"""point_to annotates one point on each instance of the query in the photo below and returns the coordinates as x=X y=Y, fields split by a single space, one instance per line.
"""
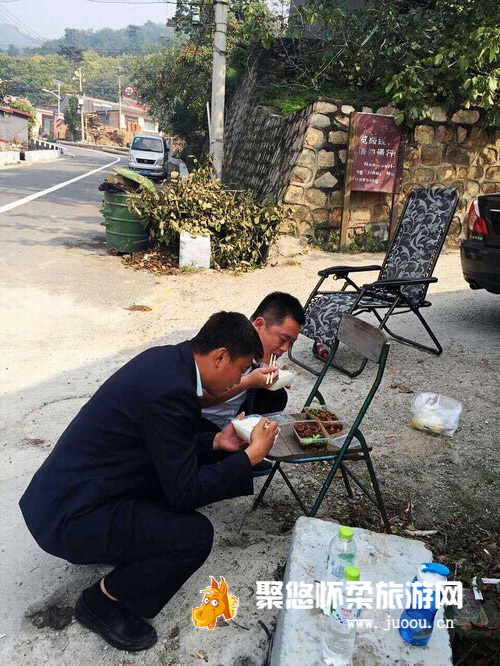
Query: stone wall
x=300 y=160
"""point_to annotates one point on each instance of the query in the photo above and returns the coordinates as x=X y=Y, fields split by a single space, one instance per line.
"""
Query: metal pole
x=218 y=87
x=119 y=101
x=83 y=105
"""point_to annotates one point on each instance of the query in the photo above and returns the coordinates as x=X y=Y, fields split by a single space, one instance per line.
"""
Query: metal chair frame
x=397 y=303
x=349 y=325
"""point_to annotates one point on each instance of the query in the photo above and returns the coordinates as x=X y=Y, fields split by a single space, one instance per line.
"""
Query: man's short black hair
x=276 y=307
x=231 y=330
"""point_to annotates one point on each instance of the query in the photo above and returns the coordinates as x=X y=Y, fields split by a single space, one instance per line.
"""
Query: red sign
x=128 y=91
x=376 y=141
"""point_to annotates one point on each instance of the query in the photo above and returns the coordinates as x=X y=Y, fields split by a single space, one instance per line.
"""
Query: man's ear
x=259 y=324
x=220 y=356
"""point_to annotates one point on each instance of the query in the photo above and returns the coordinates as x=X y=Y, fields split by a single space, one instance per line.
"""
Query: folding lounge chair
x=371 y=343
x=402 y=283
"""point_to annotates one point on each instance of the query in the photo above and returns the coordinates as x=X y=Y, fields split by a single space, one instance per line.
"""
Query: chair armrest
x=342 y=271
x=388 y=284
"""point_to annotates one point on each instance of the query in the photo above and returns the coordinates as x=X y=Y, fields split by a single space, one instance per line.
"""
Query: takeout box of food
x=311 y=435
x=321 y=413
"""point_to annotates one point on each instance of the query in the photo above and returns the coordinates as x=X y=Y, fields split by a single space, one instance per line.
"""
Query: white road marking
x=36 y=195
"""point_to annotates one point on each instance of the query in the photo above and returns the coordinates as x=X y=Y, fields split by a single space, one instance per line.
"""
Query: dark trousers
x=154 y=550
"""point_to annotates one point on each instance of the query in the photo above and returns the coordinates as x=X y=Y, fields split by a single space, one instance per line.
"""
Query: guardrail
x=95 y=146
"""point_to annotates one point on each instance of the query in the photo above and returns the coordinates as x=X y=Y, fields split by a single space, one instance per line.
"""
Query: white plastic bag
x=435 y=413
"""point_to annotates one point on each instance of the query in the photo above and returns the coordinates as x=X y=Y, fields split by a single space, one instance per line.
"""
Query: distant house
x=134 y=115
x=44 y=122
x=14 y=125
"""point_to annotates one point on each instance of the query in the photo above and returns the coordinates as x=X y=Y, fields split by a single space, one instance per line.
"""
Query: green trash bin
x=124 y=230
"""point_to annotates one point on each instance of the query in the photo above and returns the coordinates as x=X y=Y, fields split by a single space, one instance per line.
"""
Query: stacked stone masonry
x=300 y=161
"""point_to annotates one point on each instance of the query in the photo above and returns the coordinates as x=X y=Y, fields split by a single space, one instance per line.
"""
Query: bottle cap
x=351 y=573
x=346 y=533
x=435 y=567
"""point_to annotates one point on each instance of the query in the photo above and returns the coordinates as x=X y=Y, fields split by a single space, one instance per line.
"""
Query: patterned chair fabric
x=419 y=239
x=414 y=250
x=324 y=313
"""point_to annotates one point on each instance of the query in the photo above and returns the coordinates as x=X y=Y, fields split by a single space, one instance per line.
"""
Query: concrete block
x=9 y=157
x=381 y=558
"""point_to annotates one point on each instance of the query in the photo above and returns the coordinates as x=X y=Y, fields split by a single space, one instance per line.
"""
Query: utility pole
x=218 y=87
x=120 y=71
x=119 y=101
x=82 y=103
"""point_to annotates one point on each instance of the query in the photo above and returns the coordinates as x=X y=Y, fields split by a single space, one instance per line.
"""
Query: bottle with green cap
x=339 y=638
x=341 y=554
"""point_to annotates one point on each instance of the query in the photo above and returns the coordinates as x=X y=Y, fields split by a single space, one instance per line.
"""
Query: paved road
x=20 y=181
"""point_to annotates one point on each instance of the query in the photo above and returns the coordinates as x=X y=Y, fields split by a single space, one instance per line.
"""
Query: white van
x=149 y=155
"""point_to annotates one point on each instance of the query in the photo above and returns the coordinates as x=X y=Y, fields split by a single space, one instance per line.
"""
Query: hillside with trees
x=101 y=54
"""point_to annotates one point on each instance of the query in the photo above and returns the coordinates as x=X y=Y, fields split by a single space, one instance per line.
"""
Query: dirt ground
x=61 y=343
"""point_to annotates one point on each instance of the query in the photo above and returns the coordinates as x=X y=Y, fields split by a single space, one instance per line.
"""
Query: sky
x=48 y=18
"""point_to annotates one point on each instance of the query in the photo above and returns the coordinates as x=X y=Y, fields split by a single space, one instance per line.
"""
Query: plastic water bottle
x=416 y=622
x=340 y=630
x=341 y=554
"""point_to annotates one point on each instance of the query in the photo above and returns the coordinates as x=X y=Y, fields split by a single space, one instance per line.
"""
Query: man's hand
x=262 y=441
x=228 y=440
x=258 y=377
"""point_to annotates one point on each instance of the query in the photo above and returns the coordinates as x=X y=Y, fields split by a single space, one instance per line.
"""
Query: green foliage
x=176 y=82
x=367 y=242
x=72 y=116
x=411 y=56
x=241 y=230
x=27 y=75
x=132 y=40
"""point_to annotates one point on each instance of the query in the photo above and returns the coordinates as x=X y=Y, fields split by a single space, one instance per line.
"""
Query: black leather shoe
x=121 y=628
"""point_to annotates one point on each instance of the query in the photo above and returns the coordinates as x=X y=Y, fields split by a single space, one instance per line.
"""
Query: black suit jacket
x=136 y=438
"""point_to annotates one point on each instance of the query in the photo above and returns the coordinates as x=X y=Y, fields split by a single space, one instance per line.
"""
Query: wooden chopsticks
x=272 y=361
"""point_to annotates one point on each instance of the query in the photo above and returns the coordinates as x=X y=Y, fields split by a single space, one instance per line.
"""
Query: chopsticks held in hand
x=269 y=378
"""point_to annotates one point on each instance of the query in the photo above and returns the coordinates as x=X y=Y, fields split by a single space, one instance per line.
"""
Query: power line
x=15 y=23
x=12 y=19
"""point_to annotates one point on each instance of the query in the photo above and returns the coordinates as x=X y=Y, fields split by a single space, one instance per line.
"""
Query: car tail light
x=476 y=224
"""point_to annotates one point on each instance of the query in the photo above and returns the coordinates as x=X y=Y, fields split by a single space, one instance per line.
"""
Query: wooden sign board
x=372 y=159
x=375 y=152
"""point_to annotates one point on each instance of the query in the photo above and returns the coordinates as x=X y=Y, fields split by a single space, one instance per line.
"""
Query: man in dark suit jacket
x=122 y=483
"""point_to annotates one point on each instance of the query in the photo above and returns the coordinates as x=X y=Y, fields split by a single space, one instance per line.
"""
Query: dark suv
x=480 y=251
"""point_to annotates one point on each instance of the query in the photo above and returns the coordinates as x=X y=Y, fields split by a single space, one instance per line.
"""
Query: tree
x=72 y=116
x=413 y=55
x=72 y=53
x=176 y=82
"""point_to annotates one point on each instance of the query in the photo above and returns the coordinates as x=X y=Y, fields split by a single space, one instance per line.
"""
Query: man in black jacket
x=122 y=483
